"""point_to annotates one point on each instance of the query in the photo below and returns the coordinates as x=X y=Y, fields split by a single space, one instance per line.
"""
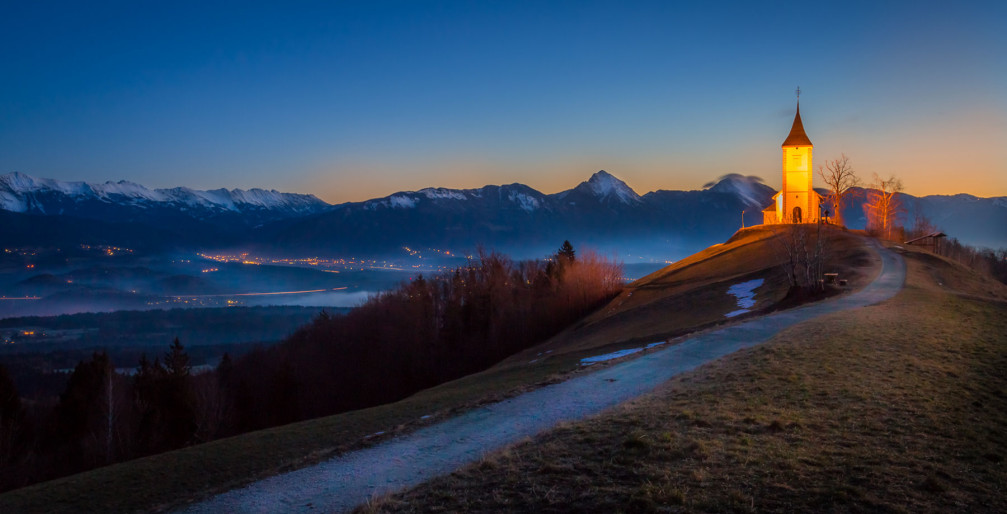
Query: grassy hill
x=684 y=297
x=692 y=293
x=897 y=407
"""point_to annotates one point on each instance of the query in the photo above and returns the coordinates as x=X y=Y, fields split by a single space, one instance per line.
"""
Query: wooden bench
x=831 y=278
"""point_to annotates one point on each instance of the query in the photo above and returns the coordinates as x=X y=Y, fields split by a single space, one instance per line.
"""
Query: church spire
x=797 y=136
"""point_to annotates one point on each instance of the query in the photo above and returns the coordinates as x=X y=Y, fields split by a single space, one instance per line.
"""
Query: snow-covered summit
x=19 y=183
x=606 y=187
x=750 y=188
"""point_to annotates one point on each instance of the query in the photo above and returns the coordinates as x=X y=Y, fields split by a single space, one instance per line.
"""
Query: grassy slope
x=899 y=407
x=692 y=293
x=686 y=296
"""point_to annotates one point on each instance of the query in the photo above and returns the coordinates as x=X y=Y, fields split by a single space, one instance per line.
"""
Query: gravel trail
x=351 y=479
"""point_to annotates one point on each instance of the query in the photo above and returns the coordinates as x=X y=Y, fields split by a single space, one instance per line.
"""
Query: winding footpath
x=352 y=478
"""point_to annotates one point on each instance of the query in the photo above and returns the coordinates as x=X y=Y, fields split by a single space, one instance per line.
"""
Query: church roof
x=797 y=136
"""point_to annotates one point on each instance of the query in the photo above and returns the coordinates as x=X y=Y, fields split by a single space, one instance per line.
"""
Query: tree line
x=423 y=333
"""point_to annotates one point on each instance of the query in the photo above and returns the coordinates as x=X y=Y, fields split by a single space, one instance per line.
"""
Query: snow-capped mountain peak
x=604 y=185
x=19 y=183
x=750 y=188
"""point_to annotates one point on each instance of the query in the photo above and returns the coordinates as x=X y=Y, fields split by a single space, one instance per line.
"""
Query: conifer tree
x=176 y=361
x=567 y=252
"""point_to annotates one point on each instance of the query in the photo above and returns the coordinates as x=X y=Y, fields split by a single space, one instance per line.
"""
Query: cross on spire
x=798 y=93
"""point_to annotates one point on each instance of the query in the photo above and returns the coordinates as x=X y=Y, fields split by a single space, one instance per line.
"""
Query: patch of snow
x=19 y=184
x=214 y=197
x=609 y=356
x=526 y=202
x=745 y=292
x=425 y=416
x=652 y=345
x=10 y=202
x=439 y=193
x=260 y=197
x=401 y=201
x=129 y=190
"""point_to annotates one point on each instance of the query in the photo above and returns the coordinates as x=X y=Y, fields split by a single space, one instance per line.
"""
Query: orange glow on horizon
x=935 y=153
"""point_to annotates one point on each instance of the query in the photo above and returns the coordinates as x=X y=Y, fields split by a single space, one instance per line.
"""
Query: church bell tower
x=797 y=201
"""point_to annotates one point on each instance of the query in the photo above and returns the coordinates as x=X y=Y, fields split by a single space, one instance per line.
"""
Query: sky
x=356 y=100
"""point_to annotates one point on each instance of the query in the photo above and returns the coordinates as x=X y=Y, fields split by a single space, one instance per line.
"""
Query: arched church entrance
x=797 y=214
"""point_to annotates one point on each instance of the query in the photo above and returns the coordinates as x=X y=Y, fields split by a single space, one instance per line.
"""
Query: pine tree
x=176 y=361
x=177 y=399
x=165 y=401
x=81 y=414
x=566 y=252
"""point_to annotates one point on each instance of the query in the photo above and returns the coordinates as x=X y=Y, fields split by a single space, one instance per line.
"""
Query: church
x=797 y=201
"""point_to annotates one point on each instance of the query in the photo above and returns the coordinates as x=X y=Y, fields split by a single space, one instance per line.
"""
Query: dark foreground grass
x=900 y=407
x=169 y=480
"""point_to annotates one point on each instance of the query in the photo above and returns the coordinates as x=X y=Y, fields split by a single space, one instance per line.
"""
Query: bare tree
x=922 y=226
x=838 y=174
x=109 y=438
x=883 y=207
x=802 y=253
x=211 y=406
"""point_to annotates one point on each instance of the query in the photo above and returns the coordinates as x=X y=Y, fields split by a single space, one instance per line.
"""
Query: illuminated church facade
x=797 y=201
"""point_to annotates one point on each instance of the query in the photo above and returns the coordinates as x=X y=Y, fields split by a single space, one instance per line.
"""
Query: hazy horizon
x=866 y=184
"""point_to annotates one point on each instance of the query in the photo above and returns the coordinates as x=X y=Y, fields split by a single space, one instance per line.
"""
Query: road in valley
x=351 y=479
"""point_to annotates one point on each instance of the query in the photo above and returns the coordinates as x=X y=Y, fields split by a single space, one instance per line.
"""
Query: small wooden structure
x=931 y=241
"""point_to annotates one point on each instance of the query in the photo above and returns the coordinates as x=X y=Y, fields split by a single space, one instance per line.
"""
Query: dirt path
x=351 y=479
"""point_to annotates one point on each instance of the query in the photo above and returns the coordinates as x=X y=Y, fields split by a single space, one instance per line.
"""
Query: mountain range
x=602 y=213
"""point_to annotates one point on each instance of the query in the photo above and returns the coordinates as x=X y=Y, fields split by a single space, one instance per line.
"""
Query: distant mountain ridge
x=24 y=193
x=602 y=212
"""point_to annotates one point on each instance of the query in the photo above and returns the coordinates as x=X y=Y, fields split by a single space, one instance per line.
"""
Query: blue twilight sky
x=353 y=100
